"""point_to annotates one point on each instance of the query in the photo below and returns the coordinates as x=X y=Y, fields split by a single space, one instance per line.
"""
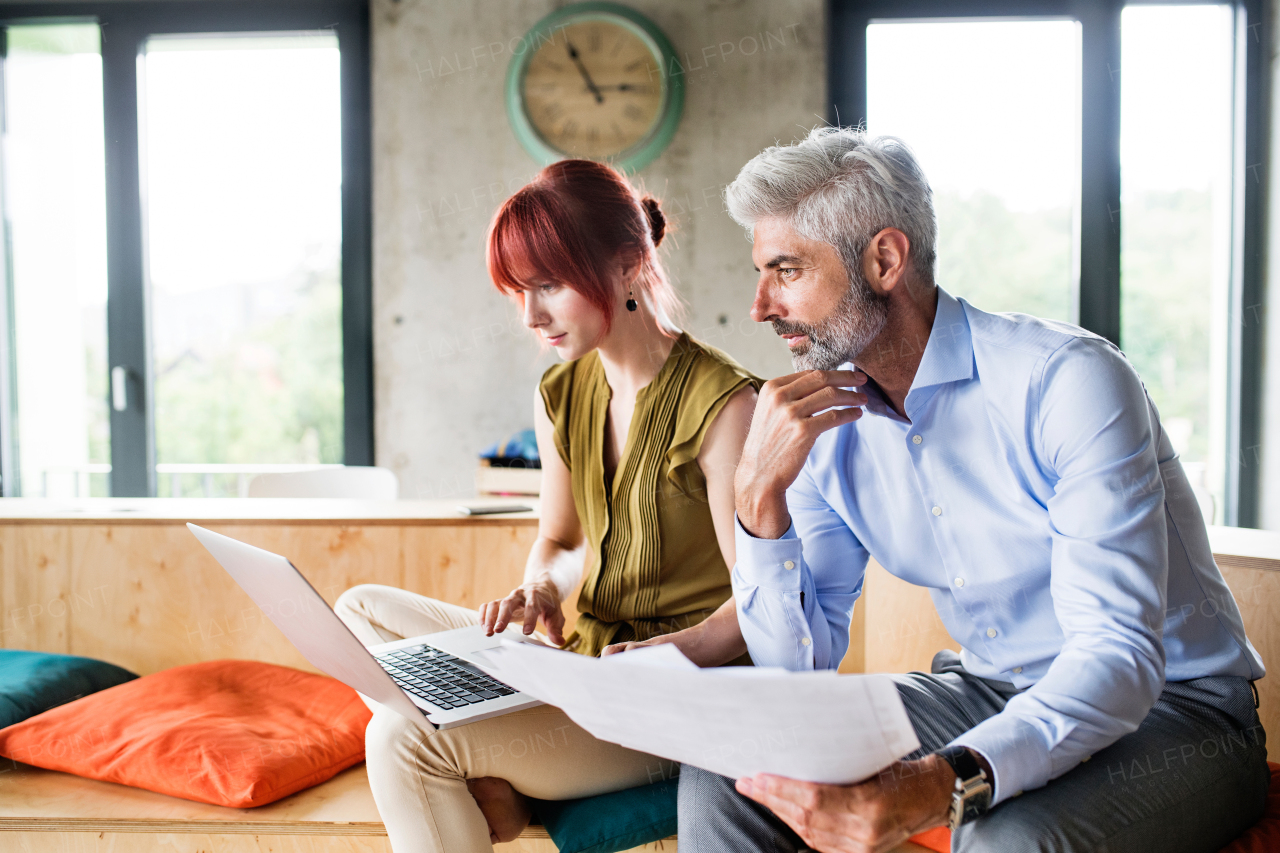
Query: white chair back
x=349 y=481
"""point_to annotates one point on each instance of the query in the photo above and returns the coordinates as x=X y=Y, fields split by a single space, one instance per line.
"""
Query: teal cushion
x=33 y=682
x=611 y=822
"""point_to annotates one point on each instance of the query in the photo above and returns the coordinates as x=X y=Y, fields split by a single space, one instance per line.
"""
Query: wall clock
x=595 y=80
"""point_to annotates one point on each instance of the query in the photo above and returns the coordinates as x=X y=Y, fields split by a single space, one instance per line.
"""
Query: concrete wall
x=455 y=370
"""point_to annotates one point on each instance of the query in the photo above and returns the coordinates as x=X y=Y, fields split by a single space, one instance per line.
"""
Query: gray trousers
x=1189 y=780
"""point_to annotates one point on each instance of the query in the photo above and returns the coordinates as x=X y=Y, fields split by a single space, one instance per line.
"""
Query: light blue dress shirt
x=1032 y=489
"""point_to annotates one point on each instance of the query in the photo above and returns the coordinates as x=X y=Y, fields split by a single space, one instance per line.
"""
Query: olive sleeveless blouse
x=653 y=564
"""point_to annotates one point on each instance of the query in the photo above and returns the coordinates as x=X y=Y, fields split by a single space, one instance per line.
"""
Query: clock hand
x=582 y=69
x=624 y=87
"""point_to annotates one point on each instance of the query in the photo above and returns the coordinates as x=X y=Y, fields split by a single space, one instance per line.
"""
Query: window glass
x=242 y=178
x=992 y=111
x=1176 y=122
x=54 y=195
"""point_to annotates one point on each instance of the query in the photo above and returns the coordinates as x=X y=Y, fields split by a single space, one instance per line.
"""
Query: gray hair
x=842 y=187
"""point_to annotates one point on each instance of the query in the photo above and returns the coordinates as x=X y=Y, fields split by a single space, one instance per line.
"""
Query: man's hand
x=619 y=648
x=785 y=426
x=905 y=798
x=713 y=642
x=527 y=603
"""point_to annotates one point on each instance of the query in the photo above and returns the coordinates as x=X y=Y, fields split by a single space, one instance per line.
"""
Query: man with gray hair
x=1015 y=467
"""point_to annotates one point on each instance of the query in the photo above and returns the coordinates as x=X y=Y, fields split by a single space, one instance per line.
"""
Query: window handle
x=119 y=388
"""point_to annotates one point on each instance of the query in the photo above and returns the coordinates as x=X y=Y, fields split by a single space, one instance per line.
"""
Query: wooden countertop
x=260 y=511
x=1244 y=548
x=1233 y=546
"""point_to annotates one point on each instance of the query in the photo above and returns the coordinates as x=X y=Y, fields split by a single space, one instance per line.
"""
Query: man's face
x=805 y=292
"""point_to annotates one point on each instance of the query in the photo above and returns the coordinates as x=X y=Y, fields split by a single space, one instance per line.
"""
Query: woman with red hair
x=639 y=430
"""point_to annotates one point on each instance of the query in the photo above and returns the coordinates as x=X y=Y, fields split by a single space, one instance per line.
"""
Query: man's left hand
x=903 y=799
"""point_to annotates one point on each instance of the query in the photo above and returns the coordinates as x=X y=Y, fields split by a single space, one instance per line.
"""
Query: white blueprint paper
x=735 y=721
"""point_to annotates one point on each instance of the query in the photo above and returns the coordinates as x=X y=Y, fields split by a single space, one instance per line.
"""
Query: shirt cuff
x=768 y=563
x=1016 y=751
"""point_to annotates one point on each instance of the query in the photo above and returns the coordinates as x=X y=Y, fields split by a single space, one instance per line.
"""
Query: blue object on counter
x=522 y=445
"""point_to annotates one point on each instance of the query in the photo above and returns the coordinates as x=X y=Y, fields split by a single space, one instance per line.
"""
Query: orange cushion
x=230 y=733
x=1262 y=837
x=937 y=839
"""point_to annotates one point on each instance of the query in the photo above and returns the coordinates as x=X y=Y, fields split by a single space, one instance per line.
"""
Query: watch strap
x=972 y=796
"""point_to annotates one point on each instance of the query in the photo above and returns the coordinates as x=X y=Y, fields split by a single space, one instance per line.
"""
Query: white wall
x=454 y=369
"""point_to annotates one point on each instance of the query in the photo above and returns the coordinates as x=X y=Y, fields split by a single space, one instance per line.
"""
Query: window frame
x=1097 y=290
x=125 y=27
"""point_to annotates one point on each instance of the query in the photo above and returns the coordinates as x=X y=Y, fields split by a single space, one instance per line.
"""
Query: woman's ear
x=629 y=270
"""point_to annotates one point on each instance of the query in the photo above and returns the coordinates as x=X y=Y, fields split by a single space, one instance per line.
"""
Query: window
x=57 y=260
x=197 y=186
x=243 y=179
x=1136 y=219
x=1001 y=150
x=1175 y=243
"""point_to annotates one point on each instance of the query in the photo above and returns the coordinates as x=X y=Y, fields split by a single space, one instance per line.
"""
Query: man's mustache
x=782 y=327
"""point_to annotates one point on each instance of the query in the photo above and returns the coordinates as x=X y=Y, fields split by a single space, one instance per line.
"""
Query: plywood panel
x=36 y=592
x=36 y=799
x=166 y=602
x=501 y=554
x=855 y=659
x=469 y=566
x=113 y=842
x=1257 y=593
x=440 y=563
x=188 y=842
x=903 y=630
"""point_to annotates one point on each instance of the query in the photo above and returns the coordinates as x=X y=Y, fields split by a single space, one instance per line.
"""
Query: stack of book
x=508 y=477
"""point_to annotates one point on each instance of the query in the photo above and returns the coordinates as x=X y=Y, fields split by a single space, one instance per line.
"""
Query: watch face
x=593 y=88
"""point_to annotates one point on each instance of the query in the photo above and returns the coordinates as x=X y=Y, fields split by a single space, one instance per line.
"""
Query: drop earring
x=631 y=301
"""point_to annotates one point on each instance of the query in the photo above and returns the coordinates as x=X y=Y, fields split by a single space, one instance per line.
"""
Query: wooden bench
x=46 y=812
x=123 y=580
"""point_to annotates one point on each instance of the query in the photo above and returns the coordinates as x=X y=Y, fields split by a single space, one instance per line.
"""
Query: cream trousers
x=418 y=774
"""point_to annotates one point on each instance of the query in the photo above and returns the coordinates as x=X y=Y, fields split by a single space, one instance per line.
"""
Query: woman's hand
x=527 y=603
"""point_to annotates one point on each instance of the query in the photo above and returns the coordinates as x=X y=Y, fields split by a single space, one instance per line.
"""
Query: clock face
x=593 y=88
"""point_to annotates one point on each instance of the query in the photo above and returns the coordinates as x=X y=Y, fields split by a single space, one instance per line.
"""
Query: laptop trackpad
x=464 y=641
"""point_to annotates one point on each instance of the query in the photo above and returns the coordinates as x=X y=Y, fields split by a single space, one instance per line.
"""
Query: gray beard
x=855 y=322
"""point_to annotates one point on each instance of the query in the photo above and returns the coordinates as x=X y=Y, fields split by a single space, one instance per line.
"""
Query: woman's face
x=563 y=318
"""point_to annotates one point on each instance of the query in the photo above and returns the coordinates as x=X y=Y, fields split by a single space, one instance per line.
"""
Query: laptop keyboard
x=442 y=679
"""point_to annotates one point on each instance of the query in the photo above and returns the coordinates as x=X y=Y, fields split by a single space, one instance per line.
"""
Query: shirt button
x=788 y=565
x=937 y=510
x=805 y=641
x=959 y=581
x=1018 y=669
x=915 y=439
x=991 y=632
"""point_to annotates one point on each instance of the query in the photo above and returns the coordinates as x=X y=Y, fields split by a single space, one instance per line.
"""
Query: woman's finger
x=534 y=607
x=506 y=608
x=553 y=619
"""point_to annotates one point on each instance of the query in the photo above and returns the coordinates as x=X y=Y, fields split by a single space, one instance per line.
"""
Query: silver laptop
x=433 y=675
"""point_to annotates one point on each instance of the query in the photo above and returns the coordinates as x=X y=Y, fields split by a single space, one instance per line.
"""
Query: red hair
x=570 y=225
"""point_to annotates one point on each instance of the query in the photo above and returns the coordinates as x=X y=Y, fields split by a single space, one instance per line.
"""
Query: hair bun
x=657 y=220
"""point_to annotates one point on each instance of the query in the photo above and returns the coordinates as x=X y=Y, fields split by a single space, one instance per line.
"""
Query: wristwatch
x=972 y=796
